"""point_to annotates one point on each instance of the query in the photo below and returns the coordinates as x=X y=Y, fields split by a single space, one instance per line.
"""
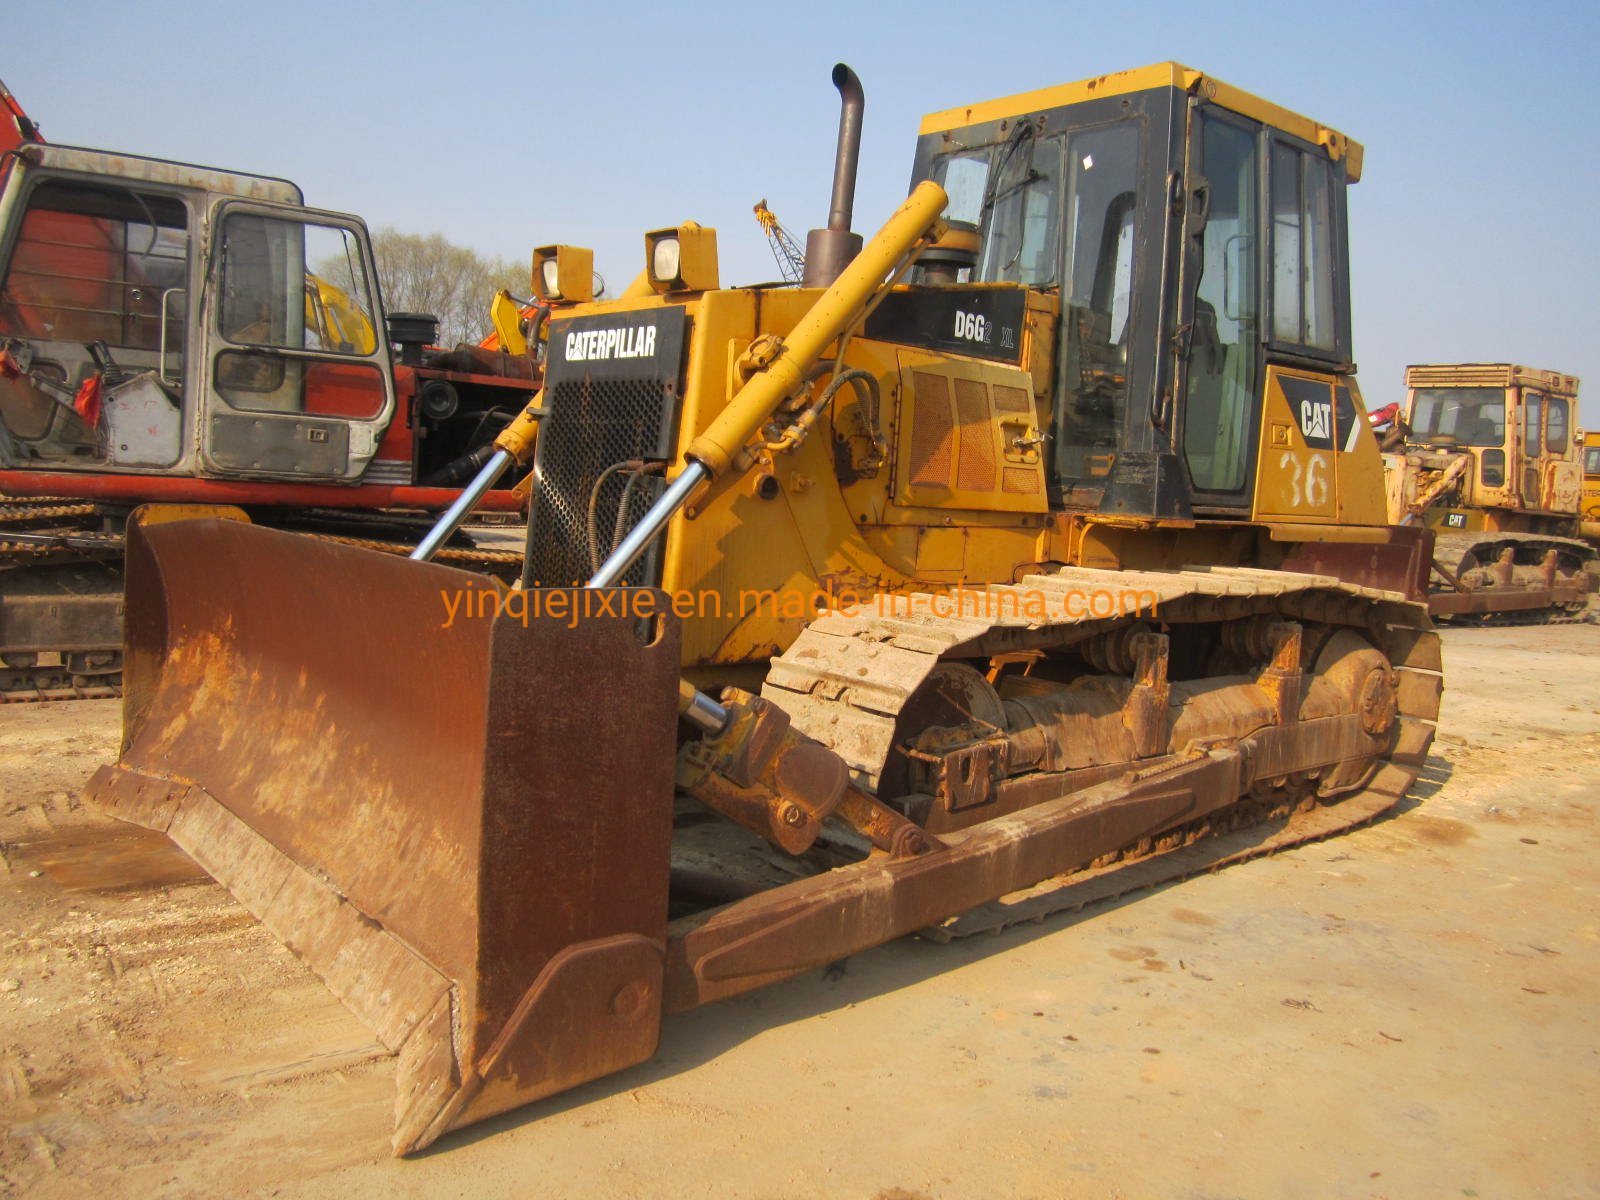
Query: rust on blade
x=424 y=796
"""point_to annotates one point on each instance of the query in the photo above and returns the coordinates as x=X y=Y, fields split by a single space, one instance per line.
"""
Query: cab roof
x=1143 y=79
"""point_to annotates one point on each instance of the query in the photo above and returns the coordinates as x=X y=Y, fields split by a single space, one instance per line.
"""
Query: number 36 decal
x=1308 y=479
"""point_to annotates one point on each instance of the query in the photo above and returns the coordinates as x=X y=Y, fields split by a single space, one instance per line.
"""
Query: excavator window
x=91 y=264
x=1220 y=400
x=295 y=286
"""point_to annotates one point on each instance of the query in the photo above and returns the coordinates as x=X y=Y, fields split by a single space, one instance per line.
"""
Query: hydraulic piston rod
x=513 y=445
x=642 y=534
x=458 y=512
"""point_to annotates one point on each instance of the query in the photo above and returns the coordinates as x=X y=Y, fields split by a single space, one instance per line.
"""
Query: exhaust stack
x=829 y=251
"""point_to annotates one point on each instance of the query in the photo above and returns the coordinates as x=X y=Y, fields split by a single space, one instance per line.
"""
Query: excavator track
x=56 y=560
x=20 y=513
x=1499 y=603
x=847 y=679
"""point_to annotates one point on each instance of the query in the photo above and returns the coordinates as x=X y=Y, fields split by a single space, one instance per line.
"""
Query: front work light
x=682 y=259
x=563 y=274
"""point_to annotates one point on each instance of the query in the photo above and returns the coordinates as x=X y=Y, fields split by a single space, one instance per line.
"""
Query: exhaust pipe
x=829 y=251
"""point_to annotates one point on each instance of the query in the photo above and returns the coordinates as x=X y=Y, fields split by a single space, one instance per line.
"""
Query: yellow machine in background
x=1042 y=530
x=1590 y=511
x=1493 y=464
x=336 y=320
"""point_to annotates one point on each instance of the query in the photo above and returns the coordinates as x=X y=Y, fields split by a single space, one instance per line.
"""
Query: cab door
x=296 y=376
x=1530 y=447
x=1222 y=365
x=1554 y=477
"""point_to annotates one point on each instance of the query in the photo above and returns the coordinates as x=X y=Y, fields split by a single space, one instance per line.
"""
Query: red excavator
x=177 y=341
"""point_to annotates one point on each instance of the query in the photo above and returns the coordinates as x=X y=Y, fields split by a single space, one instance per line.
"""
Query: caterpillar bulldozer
x=1492 y=463
x=1029 y=552
x=177 y=340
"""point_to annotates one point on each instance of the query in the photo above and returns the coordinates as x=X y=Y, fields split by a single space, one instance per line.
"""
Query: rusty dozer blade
x=465 y=830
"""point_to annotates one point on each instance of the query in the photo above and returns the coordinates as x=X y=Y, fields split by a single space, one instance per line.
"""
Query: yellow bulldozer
x=1492 y=463
x=1589 y=525
x=1036 y=542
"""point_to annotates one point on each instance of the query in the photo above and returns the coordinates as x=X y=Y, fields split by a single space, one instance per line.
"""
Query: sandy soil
x=1409 y=1010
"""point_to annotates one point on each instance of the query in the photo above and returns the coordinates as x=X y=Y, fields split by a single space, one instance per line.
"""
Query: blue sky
x=506 y=126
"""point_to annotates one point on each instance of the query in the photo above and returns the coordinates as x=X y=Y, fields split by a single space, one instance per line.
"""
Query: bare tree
x=429 y=274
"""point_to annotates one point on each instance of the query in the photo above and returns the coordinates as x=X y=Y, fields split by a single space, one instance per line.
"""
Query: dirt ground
x=1407 y=1011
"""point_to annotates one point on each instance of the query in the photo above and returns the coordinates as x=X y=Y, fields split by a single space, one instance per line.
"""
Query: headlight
x=563 y=274
x=683 y=259
x=664 y=259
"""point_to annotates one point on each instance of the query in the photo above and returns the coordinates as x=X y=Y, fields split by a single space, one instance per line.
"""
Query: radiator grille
x=931 y=430
x=1012 y=399
x=1023 y=481
x=975 y=463
x=601 y=414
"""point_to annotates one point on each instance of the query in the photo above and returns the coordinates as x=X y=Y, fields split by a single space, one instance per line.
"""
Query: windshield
x=1011 y=193
x=1463 y=416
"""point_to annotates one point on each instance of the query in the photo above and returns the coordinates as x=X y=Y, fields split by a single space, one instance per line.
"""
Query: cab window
x=1020 y=224
x=97 y=274
x=1220 y=387
x=93 y=264
x=1099 y=202
x=294 y=285
x=1303 y=248
x=1555 y=425
x=1060 y=213
x=287 y=290
x=1532 y=411
x=1459 y=416
x=1012 y=193
x=963 y=177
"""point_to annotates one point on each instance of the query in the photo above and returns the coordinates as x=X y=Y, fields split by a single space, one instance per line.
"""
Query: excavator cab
x=176 y=340
x=1039 y=533
x=173 y=320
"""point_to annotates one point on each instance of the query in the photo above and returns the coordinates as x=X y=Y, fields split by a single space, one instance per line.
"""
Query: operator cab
x=1516 y=425
x=1193 y=239
x=110 y=363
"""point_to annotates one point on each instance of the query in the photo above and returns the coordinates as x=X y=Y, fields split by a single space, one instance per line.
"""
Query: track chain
x=13 y=511
x=1542 y=616
x=846 y=678
x=1449 y=549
